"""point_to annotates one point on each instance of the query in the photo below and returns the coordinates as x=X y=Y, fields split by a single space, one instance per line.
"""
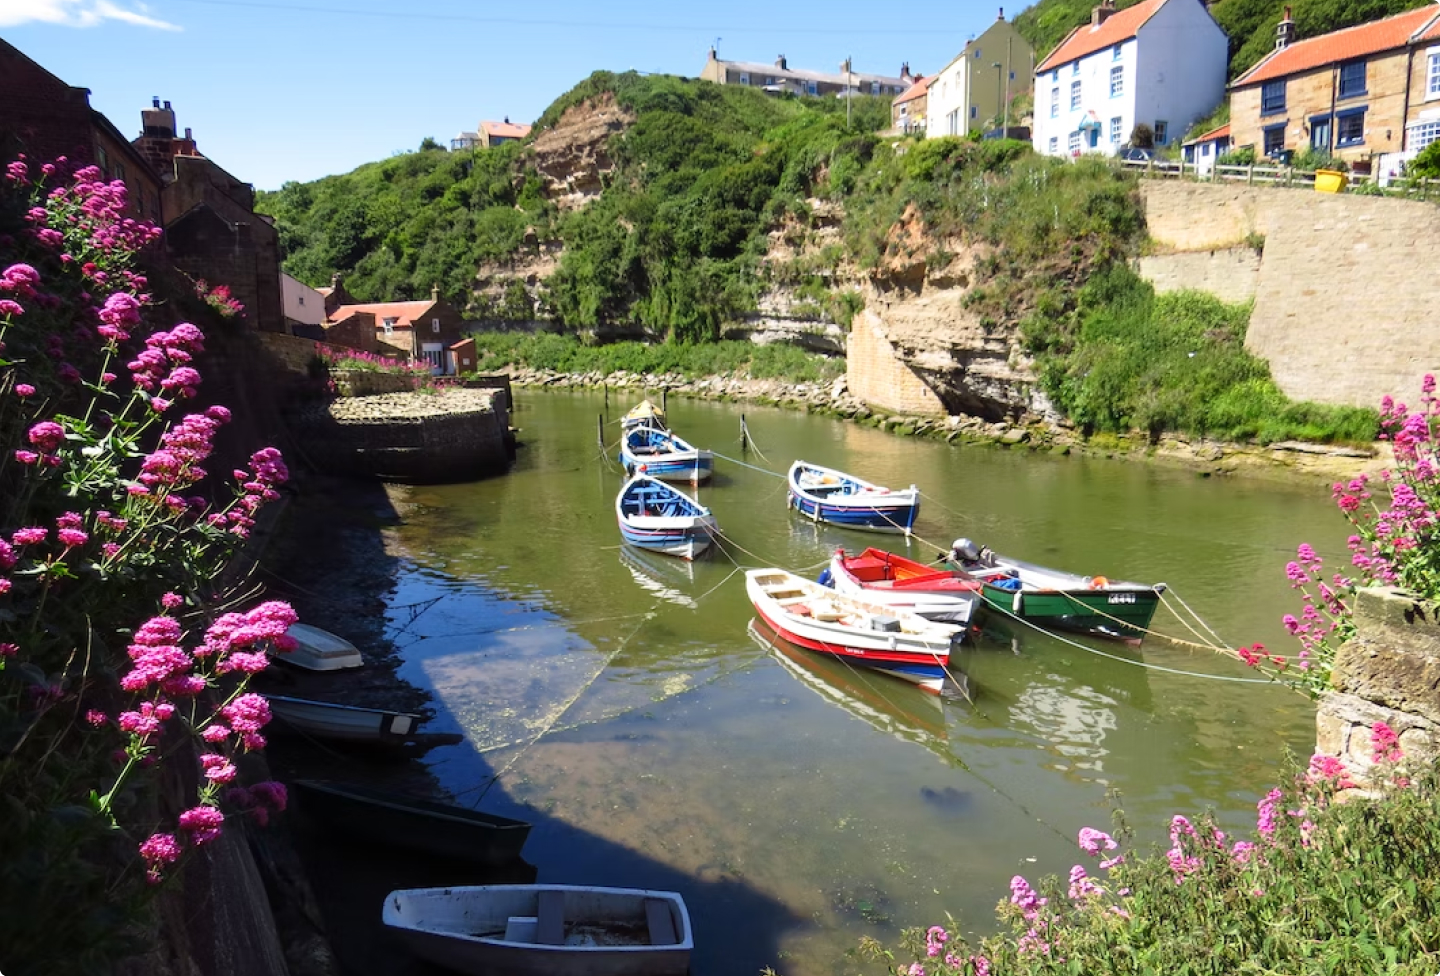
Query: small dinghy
x=319 y=650
x=655 y=516
x=412 y=822
x=945 y=595
x=1054 y=598
x=888 y=639
x=351 y=724
x=544 y=930
x=644 y=414
x=664 y=455
x=827 y=495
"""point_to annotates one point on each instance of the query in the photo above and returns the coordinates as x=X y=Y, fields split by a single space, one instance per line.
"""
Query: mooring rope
x=743 y=464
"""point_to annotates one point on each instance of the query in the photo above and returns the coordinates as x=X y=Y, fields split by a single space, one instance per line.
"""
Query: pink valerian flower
x=24 y=390
x=1328 y=771
x=7 y=555
x=10 y=307
x=47 y=436
x=20 y=279
x=1385 y=744
x=119 y=314
x=1024 y=897
x=216 y=732
x=935 y=939
x=157 y=654
x=981 y=964
x=27 y=457
x=915 y=969
x=171 y=600
x=1181 y=864
x=1266 y=821
x=8 y=649
x=1111 y=862
x=247 y=715
x=1094 y=841
x=1243 y=851
x=96 y=717
x=147 y=721
x=217 y=768
x=71 y=538
x=159 y=850
x=202 y=823
x=175 y=464
x=1082 y=886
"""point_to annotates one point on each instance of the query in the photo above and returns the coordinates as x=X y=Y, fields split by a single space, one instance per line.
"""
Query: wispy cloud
x=78 y=13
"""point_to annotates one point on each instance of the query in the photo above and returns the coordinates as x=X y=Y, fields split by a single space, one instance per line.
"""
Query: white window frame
x=1074 y=142
x=874 y=87
x=1117 y=130
x=388 y=325
x=744 y=77
x=1055 y=103
x=1420 y=130
x=1075 y=95
x=1054 y=145
x=1432 y=74
x=811 y=88
x=1117 y=81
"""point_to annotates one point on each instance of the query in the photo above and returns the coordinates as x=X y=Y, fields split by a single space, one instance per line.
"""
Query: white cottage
x=1160 y=62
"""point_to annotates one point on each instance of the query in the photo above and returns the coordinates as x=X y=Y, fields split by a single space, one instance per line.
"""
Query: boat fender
x=824 y=578
x=1098 y=582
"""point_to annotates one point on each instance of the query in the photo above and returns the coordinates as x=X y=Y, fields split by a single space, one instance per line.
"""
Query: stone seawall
x=449 y=435
x=877 y=375
x=1230 y=274
x=1347 y=287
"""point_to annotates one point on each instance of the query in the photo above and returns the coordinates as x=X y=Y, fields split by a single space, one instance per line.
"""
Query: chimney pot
x=1285 y=31
x=780 y=62
x=1002 y=14
x=167 y=104
x=154 y=101
x=188 y=135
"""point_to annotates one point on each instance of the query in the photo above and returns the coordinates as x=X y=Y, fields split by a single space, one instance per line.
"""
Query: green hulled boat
x=1053 y=598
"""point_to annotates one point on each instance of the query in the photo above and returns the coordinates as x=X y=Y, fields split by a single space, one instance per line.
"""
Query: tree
x=1426 y=165
x=428 y=143
x=1142 y=137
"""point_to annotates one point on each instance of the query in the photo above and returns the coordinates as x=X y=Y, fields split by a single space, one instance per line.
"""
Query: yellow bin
x=1329 y=180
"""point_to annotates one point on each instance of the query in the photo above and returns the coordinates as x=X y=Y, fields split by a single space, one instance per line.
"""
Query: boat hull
x=439 y=925
x=688 y=467
x=825 y=495
x=1123 y=614
x=343 y=723
x=920 y=656
x=953 y=601
x=414 y=823
x=319 y=650
x=653 y=515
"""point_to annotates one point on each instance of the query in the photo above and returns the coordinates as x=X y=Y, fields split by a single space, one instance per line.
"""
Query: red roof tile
x=1221 y=133
x=1341 y=45
x=1087 y=39
x=914 y=91
x=505 y=130
x=404 y=313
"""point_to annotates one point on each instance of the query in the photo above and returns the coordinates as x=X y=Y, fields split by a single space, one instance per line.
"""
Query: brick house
x=907 y=111
x=44 y=118
x=422 y=330
x=979 y=82
x=1356 y=93
x=779 y=78
x=1161 y=63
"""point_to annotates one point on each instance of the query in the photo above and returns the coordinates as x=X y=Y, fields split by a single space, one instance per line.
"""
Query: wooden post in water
x=665 y=398
x=607 y=399
x=744 y=435
x=600 y=429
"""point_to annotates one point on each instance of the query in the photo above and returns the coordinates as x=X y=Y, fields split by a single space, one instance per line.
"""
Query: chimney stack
x=1102 y=13
x=780 y=63
x=1285 y=31
x=434 y=293
x=712 y=54
x=1002 y=14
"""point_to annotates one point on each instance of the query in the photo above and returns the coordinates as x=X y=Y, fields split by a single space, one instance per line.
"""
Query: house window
x=1320 y=132
x=1074 y=95
x=1350 y=127
x=1012 y=76
x=1075 y=69
x=1115 y=53
x=1054 y=103
x=1421 y=135
x=102 y=158
x=977 y=54
x=1116 y=131
x=300 y=299
x=1205 y=150
x=119 y=171
x=744 y=78
x=1161 y=127
x=1272 y=97
x=1352 y=79
x=389 y=326
x=874 y=87
x=1117 y=81
x=1074 y=143
x=1274 y=139
x=434 y=325
x=1054 y=145
x=1432 y=86
x=811 y=88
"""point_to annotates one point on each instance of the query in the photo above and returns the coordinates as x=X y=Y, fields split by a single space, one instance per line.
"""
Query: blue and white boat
x=644 y=414
x=659 y=517
x=826 y=495
x=662 y=454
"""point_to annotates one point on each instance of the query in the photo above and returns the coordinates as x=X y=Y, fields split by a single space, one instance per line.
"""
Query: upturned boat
x=663 y=454
x=861 y=632
x=544 y=930
x=413 y=823
x=826 y=495
x=319 y=650
x=945 y=595
x=1047 y=597
x=656 y=516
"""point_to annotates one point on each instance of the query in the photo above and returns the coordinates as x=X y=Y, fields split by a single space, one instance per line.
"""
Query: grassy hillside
x=680 y=241
x=1250 y=24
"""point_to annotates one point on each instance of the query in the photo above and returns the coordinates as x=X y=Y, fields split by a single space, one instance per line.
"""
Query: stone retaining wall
x=1230 y=274
x=448 y=435
x=362 y=382
x=1388 y=672
x=879 y=377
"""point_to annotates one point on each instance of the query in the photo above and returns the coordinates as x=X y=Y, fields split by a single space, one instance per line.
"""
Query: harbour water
x=657 y=739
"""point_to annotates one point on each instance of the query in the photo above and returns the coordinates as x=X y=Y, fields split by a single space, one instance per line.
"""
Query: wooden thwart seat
x=661 y=922
x=550 y=918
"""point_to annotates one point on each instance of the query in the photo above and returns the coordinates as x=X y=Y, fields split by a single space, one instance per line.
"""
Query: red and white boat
x=944 y=595
x=859 y=631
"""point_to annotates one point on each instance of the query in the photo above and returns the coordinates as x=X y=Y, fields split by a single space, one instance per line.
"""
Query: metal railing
x=1287 y=176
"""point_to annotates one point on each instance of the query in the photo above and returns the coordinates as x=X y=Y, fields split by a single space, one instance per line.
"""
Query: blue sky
x=278 y=90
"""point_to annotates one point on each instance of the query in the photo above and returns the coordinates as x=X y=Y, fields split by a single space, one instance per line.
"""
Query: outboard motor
x=966 y=550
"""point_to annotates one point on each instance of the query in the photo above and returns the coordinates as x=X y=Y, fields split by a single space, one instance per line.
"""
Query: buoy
x=1098 y=582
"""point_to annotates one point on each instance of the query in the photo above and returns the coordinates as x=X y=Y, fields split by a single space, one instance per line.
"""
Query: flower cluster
x=220 y=299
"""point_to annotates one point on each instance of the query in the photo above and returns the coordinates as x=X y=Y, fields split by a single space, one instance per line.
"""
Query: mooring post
x=600 y=429
x=744 y=438
x=665 y=398
x=607 y=399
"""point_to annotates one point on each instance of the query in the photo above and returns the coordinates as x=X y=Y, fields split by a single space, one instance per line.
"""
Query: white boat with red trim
x=889 y=639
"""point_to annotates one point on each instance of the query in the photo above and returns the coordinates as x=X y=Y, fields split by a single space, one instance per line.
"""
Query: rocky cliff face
x=573 y=156
x=917 y=301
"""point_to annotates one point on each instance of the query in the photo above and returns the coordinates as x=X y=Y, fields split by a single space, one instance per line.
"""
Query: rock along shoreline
x=1284 y=461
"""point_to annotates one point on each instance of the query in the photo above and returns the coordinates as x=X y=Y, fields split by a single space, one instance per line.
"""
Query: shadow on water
x=336 y=545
